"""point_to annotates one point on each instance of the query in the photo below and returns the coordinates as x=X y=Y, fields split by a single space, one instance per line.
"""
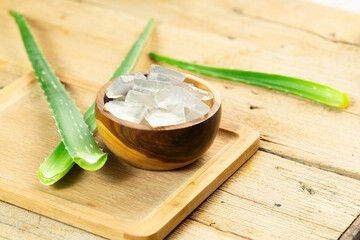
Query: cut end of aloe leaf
x=345 y=103
x=47 y=177
x=49 y=180
x=91 y=165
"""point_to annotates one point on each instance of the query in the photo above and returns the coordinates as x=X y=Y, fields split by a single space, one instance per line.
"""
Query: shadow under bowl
x=159 y=148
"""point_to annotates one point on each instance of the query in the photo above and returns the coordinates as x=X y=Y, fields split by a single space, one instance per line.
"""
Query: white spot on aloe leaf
x=87 y=149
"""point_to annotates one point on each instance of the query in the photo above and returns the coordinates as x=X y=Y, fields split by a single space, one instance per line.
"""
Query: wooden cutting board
x=118 y=201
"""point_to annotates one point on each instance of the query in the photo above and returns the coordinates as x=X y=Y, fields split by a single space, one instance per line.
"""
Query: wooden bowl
x=159 y=148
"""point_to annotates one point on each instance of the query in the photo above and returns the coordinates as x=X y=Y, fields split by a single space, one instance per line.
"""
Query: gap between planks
x=353 y=231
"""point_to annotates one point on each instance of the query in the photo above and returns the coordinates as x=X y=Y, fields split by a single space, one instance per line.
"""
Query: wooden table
x=303 y=183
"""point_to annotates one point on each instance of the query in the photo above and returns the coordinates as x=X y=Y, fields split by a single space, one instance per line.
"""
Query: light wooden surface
x=304 y=181
x=119 y=199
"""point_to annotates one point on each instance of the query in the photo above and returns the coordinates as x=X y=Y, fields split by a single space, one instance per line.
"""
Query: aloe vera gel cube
x=131 y=112
x=165 y=74
x=122 y=85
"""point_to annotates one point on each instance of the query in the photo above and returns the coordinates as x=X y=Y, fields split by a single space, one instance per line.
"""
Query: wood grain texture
x=160 y=148
x=278 y=198
x=84 y=42
x=16 y=90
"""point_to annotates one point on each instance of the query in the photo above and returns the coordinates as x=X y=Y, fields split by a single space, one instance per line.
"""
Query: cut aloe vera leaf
x=59 y=162
x=51 y=170
x=73 y=130
x=303 y=88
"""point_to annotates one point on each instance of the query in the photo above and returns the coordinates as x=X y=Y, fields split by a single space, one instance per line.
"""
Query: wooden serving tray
x=118 y=201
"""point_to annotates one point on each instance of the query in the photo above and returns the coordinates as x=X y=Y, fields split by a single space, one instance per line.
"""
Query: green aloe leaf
x=306 y=89
x=73 y=130
x=60 y=162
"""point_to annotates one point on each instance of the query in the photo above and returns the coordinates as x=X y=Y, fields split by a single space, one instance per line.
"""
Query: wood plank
x=314 y=135
x=16 y=90
x=9 y=72
x=341 y=29
x=353 y=231
x=31 y=225
x=23 y=224
x=271 y=197
x=190 y=229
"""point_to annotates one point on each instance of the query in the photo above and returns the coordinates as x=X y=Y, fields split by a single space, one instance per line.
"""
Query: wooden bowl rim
x=215 y=108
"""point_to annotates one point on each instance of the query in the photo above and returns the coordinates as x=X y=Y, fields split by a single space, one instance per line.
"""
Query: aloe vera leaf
x=131 y=58
x=59 y=162
x=73 y=130
x=306 y=89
